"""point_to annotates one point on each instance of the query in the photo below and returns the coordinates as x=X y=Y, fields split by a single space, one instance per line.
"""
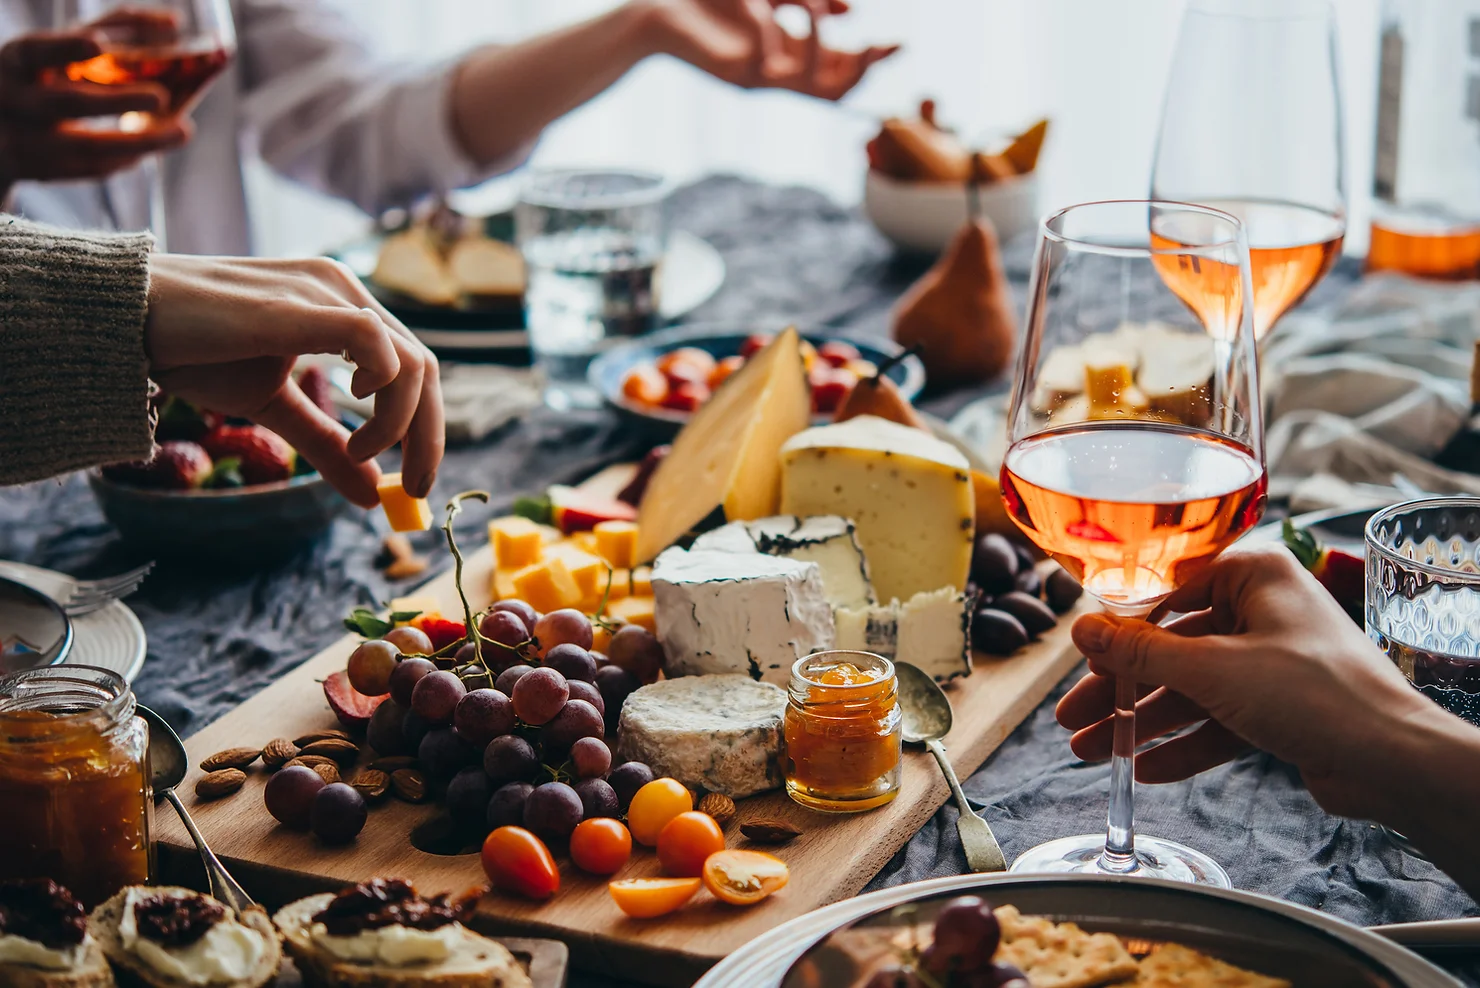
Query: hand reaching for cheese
x=224 y=333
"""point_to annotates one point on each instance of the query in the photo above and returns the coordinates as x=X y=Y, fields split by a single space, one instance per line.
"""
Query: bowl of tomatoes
x=660 y=380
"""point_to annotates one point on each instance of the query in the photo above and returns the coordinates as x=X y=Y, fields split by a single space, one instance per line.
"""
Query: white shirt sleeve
x=326 y=112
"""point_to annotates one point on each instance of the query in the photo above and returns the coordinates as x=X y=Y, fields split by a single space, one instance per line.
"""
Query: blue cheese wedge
x=719 y=733
x=931 y=630
x=738 y=613
x=827 y=540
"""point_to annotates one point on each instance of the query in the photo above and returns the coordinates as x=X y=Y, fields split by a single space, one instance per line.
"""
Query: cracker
x=1175 y=966
x=1061 y=955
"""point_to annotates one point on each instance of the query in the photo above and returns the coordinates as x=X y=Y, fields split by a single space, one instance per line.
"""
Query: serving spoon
x=927 y=719
x=167 y=767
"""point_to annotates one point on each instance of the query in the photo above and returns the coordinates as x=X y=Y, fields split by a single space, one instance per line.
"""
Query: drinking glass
x=182 y=60
x=1135 y=444
x=592 y=243
x=1252 y=126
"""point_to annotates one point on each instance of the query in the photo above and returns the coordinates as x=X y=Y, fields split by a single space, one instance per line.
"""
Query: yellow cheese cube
x=642 y=581
x=621 y=587
x=517 y=542
x=404 y=512
x=547 y=586
x=503 y=584
x=601 y=638
x=584 y=541
x=616 y=542
x=426 y=605
x=635 y=610
x=586 y=569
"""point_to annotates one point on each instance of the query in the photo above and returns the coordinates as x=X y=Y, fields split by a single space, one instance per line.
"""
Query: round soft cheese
x=718 y=733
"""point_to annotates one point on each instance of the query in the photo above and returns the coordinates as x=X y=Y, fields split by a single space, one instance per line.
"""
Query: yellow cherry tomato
x=653 y=806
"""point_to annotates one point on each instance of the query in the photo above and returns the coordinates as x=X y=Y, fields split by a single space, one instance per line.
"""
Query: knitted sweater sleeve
x=74 y=378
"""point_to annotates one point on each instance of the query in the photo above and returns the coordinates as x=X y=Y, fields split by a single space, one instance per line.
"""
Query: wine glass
x=1252 y=126
x=1135 y=444
x=180 y=45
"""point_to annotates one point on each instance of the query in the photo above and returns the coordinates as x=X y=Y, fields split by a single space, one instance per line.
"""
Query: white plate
x=110 y=637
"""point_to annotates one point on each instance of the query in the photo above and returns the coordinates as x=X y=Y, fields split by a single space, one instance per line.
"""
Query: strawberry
x=1343 y=574
x=314 y=381
x=440 y=630
x=179 y=419
x=176 y=466
x=264 y=457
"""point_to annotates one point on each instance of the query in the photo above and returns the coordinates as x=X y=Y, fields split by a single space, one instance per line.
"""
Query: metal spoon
x=927 y=719
x=167 y=767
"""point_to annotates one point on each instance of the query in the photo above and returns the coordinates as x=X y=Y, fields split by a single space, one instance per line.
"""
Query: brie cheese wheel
x=827 y=540
x=742 y=613
x=931 y=630
x=719 y=733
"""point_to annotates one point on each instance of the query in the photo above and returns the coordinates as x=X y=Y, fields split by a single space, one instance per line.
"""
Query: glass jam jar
x=74 y=781
x=842 y=732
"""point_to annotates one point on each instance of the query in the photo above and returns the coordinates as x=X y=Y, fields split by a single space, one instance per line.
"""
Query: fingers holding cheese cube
x=404 y=512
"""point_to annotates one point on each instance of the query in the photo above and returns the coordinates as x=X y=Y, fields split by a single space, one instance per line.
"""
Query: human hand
x=37 y=99
x=223 y=332
x=740 y=42
x=1268 y=659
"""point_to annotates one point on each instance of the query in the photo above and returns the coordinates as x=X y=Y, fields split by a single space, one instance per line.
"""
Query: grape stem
x=454 y=508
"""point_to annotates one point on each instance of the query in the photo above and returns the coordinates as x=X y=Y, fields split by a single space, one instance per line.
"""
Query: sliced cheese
x=908 y=494
x=726 y=457
x=410 y=264
x=483 y=266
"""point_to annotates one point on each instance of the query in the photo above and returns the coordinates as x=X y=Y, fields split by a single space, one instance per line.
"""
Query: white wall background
x=1096 y=67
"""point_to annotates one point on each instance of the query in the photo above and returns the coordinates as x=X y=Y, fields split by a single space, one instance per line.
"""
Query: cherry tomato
x=686 y=841
x=600 y=846
x=686 y=396
x=653 y=806
x=518 y=861
x=743 y=877
x=838 y=353
x=830 y=388
x=754 y=343
x=644 y=898
x=645 y=383
x=723 y=370
x=692 y=356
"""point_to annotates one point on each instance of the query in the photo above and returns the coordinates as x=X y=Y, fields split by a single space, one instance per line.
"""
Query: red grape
x=966 y=935
x=370 y=667
x=409 y=640
x=552 y=811
x=338 y=813
x=589 y=693
x=414 y=727
x=442 y=754
x=566 y=626
x=539 y=694
x=406 y=675
x=615 y=684
x=576 y=720
x=467 y=797
x=435 y=696
x=635 y=649
x=504 y=627
x=483 y=715
x=466 y=654
x=506 y=805
x=526 y=613
x=506 y=679
x=289 y=795
x=591 y=758
x=510 y=759
x=597 y=798
x=386 y=731
x=573 y=662
x=627 y=778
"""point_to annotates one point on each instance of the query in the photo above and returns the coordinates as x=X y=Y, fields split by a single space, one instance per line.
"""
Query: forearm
x=503 y=96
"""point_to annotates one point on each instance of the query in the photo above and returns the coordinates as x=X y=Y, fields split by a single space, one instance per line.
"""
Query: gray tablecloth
x=217 y=637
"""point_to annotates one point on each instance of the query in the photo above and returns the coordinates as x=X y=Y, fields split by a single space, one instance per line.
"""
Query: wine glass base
x=1155 y=858
x=1404 y=844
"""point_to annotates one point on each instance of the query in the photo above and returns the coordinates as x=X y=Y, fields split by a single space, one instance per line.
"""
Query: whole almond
x=329 y=772
x=222 y=782
x=718 y=806
x=278 y=752
x=313 y=761
x=329 y=732
x=372 y=784
x=230 y=758
x=405 y=569
x=769 y=831
x=408 y=784
x=335 y=748
x=390 y=763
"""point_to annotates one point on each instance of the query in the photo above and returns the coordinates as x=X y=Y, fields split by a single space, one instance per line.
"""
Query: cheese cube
x=635 y=610
x=404 y=512
x=588 y=570
x=908 y=493
x=616 y=542
x=585 y=541
x=642 y=581
x=503 y=584
x=516 y=542
x=547 y=586
x=601 y=638
x=621 y=584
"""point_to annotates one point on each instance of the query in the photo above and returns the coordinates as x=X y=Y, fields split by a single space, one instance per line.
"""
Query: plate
x=1273 y=936
x=692 y=271
x=110 y=637
x=608 y=370
x=34 y=630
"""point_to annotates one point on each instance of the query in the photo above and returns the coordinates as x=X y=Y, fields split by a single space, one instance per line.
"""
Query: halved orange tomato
x=743 y=878
x=644 y=898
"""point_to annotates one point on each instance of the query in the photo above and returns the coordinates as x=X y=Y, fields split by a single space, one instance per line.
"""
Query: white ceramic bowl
x=923 y=216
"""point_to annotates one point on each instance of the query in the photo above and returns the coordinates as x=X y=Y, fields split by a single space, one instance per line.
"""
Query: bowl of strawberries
x=219 y=488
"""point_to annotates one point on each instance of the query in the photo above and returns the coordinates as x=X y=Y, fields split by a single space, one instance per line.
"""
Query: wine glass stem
x=155 y=164
x=1120 y=833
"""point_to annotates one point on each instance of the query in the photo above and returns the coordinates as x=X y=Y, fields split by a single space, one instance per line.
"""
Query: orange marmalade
x=74 y=781
x=842 y=732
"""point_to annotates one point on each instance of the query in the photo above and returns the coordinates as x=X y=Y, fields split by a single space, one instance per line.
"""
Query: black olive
x=994 y=564
x=1031 y=612
x=1062 y=591
x=997 y=632
x=1029 y=582
x=1025 y=556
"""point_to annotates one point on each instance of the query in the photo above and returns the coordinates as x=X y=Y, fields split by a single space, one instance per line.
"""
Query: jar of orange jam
x=842 y=732
x=74 y=781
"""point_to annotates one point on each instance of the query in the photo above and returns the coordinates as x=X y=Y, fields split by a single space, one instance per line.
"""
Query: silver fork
x=87 y=596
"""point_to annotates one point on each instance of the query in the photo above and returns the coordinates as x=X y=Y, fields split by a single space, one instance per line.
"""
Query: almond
x=230 y=758
x=769 y=831
x=324 y=735
x=372 y=784
x=404 y=569
x=312 y=761
x=336 y=748
x=329 y=772
x=222 y=782
x=408 y=784
x=718 y=806
x=278 y=752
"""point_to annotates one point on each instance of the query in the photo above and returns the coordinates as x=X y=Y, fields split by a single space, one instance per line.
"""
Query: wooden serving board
x=833 y=859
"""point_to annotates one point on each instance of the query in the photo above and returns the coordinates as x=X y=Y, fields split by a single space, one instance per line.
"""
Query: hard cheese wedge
x=726 y=457
x=908 y=493
x=404 y=512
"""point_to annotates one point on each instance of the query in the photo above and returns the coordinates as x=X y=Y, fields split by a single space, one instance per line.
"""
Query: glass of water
x=592 y=243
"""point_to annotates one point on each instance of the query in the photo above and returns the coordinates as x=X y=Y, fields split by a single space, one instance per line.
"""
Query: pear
x=960 y=311
x=879 y=396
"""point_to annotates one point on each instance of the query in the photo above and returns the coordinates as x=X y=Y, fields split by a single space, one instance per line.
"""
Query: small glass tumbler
x=842 y=731
x=593 y=242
